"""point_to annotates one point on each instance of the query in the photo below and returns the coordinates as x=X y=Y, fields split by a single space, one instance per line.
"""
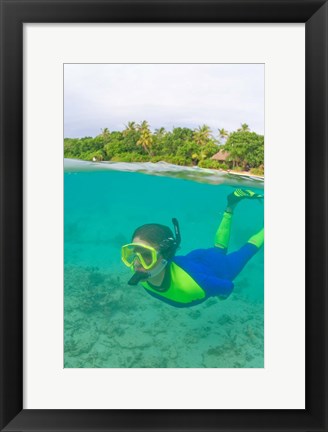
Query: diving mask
x=147 y=255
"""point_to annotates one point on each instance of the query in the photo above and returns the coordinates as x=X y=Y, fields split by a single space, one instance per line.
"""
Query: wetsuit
x=203 y=273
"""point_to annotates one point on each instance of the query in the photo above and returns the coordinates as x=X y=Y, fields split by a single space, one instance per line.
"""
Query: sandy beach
x=244 y=174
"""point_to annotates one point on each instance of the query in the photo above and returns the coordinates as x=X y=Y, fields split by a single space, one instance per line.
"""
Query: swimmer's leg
x=222 y=235
x=237 y=260
x=257 y=239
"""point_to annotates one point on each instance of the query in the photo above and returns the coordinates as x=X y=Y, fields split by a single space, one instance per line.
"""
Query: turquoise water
x=109 y=324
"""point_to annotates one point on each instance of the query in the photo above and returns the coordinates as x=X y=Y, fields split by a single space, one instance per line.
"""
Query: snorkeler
x=188 y=280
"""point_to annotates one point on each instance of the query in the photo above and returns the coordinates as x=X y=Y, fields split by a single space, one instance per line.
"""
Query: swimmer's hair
x=160 y=237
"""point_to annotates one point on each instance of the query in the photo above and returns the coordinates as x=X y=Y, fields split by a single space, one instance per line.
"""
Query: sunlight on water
x=111 y=324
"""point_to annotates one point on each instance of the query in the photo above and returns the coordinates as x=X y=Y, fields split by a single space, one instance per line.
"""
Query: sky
x=98 y=96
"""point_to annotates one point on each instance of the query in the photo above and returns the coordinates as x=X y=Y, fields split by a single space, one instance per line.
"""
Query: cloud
x=109 y=95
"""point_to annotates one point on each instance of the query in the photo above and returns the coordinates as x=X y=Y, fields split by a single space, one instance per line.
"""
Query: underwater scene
x=110 y=324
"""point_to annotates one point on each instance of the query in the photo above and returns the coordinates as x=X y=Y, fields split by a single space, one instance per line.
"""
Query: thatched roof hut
x=221 y=156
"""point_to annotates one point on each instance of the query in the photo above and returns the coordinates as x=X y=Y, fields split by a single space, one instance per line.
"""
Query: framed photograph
x=163 y=230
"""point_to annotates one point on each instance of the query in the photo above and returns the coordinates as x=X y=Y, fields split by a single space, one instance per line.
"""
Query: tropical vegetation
x=181 y=146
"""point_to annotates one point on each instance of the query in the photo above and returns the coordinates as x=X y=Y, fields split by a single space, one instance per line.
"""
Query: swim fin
x=239 y=194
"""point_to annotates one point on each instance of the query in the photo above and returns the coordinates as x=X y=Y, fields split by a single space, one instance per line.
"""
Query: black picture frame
x=314 y=13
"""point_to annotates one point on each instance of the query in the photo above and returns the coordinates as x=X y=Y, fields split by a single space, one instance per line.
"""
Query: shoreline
x=242 y=173
x=232 y=172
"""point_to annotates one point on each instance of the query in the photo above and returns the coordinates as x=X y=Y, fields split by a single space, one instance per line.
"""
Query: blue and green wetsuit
x=203 y=273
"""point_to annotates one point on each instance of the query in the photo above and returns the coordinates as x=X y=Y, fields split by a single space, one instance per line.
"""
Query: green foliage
x=246 y=149
x=145 y=138
x=130 y=157
x=244 y=128
x=209 y=163
x=187 y=150
x=181 y=146
x=238 y=169
x=223 y=134
x=178 y=160
x=210 y=149
x=212 y=164
x=76 y=147
x=98 y=155
x=155 y=159
x=202 y=135
x=258 y=171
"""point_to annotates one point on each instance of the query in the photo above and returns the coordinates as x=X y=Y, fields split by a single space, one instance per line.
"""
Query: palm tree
x=244 y=128
x=202 y=134
x=146 y=139
x=142 y=126
x=200 y=156
x=160 y=132
x=130 y=127
x=223 y=134
x=105 y=133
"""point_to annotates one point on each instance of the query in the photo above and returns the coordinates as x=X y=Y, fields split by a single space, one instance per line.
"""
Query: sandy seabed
x=109 y=324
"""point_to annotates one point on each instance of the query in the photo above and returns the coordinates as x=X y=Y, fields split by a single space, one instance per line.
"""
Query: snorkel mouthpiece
x=138 y=277
x=143 y=276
